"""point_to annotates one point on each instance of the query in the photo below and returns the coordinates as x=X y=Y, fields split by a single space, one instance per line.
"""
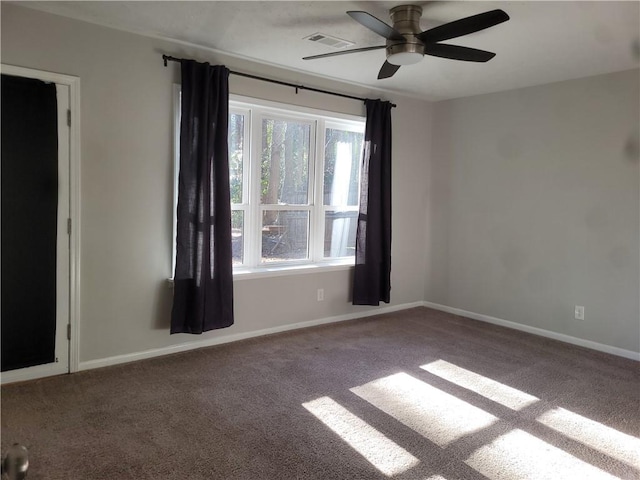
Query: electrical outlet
x=579 y=312
x=320 y=294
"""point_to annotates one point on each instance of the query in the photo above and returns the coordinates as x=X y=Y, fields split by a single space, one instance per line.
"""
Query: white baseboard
x=537 y=331
x=183 y=347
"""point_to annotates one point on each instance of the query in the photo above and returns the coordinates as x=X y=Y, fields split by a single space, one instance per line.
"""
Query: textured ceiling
x=543 y=42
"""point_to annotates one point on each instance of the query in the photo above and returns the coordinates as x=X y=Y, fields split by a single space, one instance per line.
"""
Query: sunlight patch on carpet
x=607 y=440
x=434 y=414
x=518 y=454
x=384 y=454
x=498 y=392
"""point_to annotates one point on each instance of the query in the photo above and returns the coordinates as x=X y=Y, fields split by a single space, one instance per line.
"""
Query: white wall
x=534 y=207
x=126 y=135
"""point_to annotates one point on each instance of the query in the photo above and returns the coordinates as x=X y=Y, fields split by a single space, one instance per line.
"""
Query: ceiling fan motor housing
x=406 y=20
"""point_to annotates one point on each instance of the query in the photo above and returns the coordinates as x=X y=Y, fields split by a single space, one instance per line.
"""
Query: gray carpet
x=417 y=394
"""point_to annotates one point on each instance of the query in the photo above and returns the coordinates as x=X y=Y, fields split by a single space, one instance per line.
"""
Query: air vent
x=330 y=41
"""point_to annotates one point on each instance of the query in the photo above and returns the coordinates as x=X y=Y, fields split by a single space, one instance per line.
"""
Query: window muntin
x=294 y=177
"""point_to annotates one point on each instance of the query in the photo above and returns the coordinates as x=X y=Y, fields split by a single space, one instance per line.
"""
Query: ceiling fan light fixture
x=404 y=58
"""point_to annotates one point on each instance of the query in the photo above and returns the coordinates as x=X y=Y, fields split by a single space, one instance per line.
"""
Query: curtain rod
x=169 y=58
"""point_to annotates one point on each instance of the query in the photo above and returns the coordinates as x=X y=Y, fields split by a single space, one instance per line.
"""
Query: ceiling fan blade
x=456 y=52
x=376 y=25
x=387 y=70
x=344 y=52
x=463 y=26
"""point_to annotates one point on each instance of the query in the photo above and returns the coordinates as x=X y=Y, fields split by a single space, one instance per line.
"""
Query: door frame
x=74 y=214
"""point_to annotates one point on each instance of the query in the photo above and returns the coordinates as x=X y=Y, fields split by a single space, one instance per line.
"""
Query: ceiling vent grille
x=330 y=41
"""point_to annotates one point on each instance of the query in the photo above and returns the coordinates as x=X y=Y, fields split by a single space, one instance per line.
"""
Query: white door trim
x=74 y=214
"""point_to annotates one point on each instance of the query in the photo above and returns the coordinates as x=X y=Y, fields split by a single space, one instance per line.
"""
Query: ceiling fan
x=407 y=44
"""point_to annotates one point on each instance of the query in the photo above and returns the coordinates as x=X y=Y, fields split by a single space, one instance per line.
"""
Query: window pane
x=340 y=233
x=237 y=236
x=285 y=235
x=285 y=162
x=343 y=150
x=236 y=155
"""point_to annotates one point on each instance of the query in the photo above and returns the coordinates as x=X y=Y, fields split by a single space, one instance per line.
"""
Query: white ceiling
x=543 y=42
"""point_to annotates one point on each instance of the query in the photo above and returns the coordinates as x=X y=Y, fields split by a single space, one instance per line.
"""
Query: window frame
x=254 y=110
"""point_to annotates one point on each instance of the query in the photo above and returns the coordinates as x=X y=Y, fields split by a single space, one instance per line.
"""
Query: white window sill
x=243 y=273
x=283 y=270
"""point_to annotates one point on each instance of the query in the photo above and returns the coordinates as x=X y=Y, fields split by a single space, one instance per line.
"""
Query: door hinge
x=68 y=226
x=68 y=331
x=69 y=118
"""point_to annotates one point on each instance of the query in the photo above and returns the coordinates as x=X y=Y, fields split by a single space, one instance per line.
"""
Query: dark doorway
x=29 y=221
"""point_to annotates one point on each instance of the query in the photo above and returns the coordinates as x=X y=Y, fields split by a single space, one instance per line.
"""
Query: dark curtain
x=203 y=279
x=29 y=221
x=372 y=276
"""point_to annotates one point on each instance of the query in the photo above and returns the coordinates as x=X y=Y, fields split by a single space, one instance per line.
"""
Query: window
x=294 y=175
